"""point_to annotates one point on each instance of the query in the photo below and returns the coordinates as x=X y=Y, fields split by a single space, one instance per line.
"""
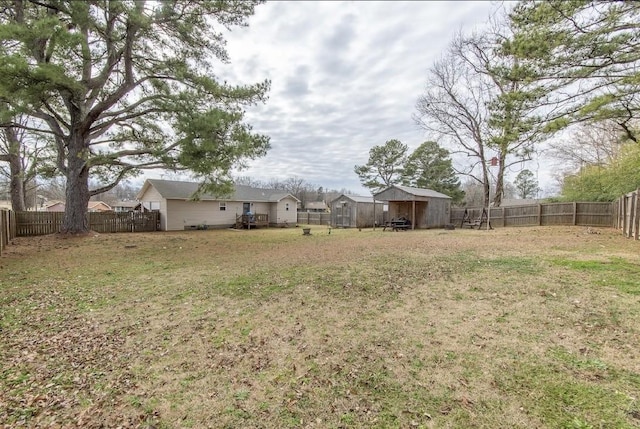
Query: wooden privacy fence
x=42 y=223
x=307 y=218
x=7 y=228
x=628 y=214
x=582 y=214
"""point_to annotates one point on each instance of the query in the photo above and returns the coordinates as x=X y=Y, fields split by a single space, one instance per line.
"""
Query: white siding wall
x=282 y=215
x=261 y=208
x=188 y=213
x=151 y=195
x=176 y=214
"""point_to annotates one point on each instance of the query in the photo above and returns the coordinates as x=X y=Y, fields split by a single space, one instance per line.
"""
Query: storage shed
x=425 y=208
x=354 y=211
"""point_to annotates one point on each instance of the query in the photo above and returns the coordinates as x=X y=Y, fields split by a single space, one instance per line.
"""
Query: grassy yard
x=512 y=328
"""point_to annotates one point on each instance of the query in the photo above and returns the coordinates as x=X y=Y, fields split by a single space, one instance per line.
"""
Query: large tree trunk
x=16 y=186
x=499 y=192
x=486 y=184
x=77 y=191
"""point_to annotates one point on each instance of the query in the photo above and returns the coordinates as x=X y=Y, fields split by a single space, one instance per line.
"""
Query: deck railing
x=252 y=220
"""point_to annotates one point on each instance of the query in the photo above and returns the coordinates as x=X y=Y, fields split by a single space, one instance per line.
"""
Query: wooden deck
x=252 y=221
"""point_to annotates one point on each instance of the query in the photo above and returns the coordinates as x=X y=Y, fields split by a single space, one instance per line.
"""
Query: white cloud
x=345 y=77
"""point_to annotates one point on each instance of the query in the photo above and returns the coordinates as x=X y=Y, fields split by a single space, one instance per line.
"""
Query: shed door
x=343 y=215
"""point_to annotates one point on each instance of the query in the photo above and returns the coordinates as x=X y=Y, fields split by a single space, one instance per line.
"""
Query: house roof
x=176 y=190
x=129 y=204
x=94 y=204
x=419 y=192
x=53 y=203
x=315 y=205
x=90 y=204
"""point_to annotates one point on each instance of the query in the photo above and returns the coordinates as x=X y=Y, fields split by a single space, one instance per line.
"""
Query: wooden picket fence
x=628 y=214
x=41 y=223
x=308 y=218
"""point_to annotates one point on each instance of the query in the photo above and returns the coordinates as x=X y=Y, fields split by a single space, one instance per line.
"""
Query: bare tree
x=476 y=103
x=249 y=181
x=22 y=155
x=453 y=110
x=590 y=144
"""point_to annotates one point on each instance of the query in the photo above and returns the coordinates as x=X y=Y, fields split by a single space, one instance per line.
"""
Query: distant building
x=99 y=206
x=54 y=206
x=126 y=206
x=316 y=207
x=92 y=206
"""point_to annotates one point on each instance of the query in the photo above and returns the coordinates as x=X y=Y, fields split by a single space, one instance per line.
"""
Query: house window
x=286 y=207
x=223 y=206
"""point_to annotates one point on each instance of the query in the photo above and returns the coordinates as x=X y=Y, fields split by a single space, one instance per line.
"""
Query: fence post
x=575 y=212
x=540 y=214
x=632 y=214
x=636 y=216
x=3 y=221
x=625 y=218
x=621 y=212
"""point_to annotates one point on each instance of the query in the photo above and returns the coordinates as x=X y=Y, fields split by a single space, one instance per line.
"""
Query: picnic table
x=398 y=224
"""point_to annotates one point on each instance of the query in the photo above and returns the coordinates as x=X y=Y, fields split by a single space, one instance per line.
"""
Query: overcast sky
x=345 y=77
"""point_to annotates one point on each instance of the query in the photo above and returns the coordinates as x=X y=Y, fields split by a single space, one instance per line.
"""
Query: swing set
x=468 y=221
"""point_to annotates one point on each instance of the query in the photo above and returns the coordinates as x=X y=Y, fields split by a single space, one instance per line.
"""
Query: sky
x=345 y=76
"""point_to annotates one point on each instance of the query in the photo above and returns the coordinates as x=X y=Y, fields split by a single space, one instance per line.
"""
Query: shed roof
x=177 y=190
x=418 y=192
x=356 y=198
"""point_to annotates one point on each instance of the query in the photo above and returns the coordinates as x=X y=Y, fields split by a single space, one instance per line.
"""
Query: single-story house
x=178 y=211
x=425 y=208
x=92 y=206
x=54 y=206
x=355 y=211
x=98 y=206
x=126 y=206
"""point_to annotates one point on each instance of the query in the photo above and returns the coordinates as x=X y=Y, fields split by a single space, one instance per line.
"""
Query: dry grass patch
x=533 y=327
